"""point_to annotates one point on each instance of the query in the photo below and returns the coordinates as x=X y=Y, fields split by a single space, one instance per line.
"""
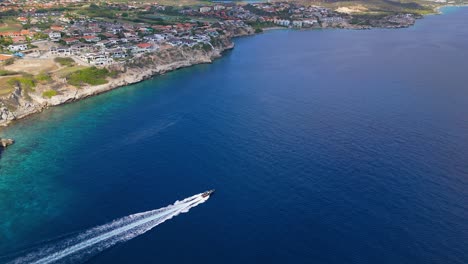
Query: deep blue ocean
x=324 y=146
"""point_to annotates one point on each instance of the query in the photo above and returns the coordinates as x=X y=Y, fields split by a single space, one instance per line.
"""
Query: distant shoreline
x=440 y=12
x=139 y=75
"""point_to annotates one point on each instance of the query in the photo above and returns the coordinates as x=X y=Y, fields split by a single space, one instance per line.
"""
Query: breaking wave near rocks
x=86 y=244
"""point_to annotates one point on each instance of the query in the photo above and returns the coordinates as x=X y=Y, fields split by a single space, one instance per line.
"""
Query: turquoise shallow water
x=327 y=146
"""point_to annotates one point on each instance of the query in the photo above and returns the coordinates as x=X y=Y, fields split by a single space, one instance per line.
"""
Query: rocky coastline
x=21 y=103
x=5 y=142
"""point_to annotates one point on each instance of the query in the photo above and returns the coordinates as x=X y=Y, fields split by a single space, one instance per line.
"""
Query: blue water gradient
x=325 y=146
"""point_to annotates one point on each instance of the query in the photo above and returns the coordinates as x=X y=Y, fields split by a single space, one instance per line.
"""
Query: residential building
x=205 y=9
x=297 y=23
x=219 y=7
x=17 y=47
x=70 y=41
x=55 y=36
x=91 y=38
x=143 y=47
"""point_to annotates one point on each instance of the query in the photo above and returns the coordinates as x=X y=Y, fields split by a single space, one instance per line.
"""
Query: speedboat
x=207 y=193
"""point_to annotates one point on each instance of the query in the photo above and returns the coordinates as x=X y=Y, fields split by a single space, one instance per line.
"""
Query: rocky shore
x=22 y=103
x=5 y=142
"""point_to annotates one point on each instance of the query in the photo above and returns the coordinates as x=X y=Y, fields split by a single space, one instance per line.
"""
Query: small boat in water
x=207 y=193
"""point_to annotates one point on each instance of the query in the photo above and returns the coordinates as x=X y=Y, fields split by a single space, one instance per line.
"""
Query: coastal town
x=56 y=52
x=101 y=41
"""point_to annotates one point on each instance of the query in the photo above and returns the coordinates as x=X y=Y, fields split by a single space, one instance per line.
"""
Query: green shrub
x=113 y=74
x=49 y=93
x=65 y=61
x=24 y=82
x=206 y=47
x=6 y=73
x=91 y=76
x=43 y=77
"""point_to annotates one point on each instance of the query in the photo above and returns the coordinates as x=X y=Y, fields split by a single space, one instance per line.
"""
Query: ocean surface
x=324 y=146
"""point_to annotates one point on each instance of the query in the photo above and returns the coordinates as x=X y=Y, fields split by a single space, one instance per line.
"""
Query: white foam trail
x=97 y=239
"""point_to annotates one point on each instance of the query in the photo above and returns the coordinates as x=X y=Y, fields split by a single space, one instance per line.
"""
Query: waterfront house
x=113 y=41
x=145 y=30
x=25 y=32
x=16 y=33
x=23 y=20
x=143 y=47
x=161 y=27
x=70 y=41
x=117 y=53
x=17 y=47
x=333 y=20
x=80 y=47
x=103 y=44
x=205 y=9
x=56 y=28
x=282 y=22
x=55 y=36
x=297 y=23
x=130 y=34
x=219 y=7
x=188 y=42
x=174 y=42
x=200 y=38
x=91 y=38
x=310 y=22
x=61 y=51
x=18 y=39
x=98 y=59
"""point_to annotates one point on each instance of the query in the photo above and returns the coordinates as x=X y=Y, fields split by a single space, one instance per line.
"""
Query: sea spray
x=90 y=242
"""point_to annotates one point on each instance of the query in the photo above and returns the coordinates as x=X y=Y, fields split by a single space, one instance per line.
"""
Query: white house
x=310 y=22
x=61 y=51
x=101 y=60
x=157 y=37
x=55 y=36
x=98 y=59
x=205 y=9
x=144 y=47
x=200 y=38
x=297 y=23
x=282 y=22
x=117 y=53
x=218 y=7
x=17 y=47
x=91 y=38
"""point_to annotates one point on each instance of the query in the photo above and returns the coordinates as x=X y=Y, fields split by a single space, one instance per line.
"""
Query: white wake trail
x=90 y=242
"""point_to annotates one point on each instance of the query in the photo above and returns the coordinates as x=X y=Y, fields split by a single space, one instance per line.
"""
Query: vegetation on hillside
x=377 y=6
x=65 y=61
x=91 y=76
x=49 y=93
x=9 y=61
x=6 y=73
x=43 y=78
x=26 y=81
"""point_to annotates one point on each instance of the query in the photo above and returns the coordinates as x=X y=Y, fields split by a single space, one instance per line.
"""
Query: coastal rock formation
x=22 y=103
x=5 y=142
x=17 y=105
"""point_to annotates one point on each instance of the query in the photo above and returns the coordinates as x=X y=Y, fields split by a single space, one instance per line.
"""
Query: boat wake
x=86 y=244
